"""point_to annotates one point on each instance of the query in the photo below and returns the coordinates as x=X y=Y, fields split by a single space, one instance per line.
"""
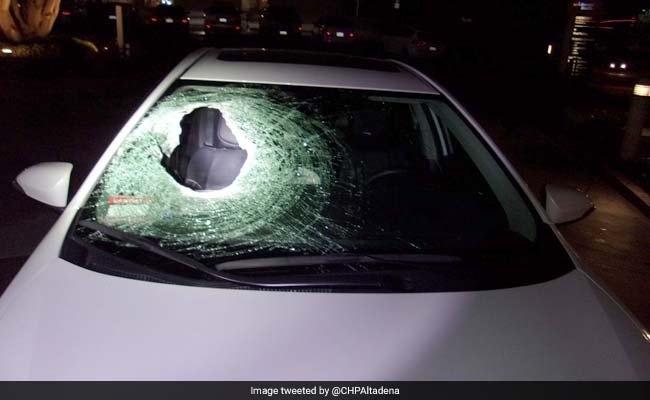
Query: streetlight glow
x=642 y=90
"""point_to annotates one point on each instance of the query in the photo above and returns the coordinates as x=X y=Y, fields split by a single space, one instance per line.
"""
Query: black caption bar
x=323 y=390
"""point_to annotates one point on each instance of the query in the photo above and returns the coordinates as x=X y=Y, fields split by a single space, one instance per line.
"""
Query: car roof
x=303 y=68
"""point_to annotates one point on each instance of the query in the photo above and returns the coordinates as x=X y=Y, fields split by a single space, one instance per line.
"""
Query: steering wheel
x=388 y=172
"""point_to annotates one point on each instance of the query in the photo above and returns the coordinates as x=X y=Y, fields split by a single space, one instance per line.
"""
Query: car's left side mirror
x=46 y=182
x=564 y=204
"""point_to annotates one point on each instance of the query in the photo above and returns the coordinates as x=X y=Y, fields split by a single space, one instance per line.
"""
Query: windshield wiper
x=342 y=258
x=348 y=280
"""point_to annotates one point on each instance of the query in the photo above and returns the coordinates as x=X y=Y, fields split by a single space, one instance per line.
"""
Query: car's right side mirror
x=565 y=204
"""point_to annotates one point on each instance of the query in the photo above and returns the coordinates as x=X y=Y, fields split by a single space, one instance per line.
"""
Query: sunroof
x=307 y=58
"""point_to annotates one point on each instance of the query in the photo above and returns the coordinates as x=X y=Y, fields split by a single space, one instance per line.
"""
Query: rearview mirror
x=46 y=182
x=564 y=204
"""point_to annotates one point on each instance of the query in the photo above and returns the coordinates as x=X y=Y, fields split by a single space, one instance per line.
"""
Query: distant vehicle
x=170 y=18
x=618 y=71
x=620 y=56
x=408 y=42
x=222 y=18
x=71 y=18
x=197 y=22
x=280 y=22
x=334 y=30
x=67 y=12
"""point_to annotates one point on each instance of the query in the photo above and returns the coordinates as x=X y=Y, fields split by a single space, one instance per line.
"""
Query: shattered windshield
x=231 y=171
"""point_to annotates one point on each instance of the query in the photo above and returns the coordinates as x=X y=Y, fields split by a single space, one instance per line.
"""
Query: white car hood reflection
x=65 y=322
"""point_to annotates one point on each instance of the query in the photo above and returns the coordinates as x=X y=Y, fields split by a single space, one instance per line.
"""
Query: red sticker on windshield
x=115 y=200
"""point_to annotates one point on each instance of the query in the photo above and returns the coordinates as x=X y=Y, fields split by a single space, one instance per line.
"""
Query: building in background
x=582 y=23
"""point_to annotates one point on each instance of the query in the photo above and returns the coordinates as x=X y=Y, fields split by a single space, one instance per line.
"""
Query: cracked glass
x=327 y=171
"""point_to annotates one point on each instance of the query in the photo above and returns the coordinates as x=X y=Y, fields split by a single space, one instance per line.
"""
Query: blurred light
x=237 y=27
x=184 y=20
x=299 y=28
x=639 y=90
x=66 y=13
x=584 y=6
x=328 y=33
x=351 y=34
x=612 y=65
x=154 y=19
x=549 y=49
x=419 y=43
x=623 y=66
x=646 y=335
x=615 y=21
x=208 y=26
x=7 y=50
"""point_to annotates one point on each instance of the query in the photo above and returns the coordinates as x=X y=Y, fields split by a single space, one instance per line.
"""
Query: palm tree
x=25 y=20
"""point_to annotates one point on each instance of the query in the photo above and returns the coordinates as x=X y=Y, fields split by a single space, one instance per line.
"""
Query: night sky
x=624 y=8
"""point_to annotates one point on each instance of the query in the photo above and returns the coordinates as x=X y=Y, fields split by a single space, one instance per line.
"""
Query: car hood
x=60 y=321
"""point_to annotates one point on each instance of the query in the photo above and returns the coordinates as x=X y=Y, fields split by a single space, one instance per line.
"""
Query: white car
x=277 y=215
